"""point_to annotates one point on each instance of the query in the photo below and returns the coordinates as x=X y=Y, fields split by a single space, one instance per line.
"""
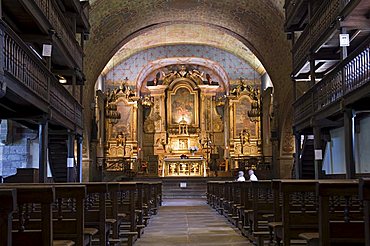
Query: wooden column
x=318 y=148
x=70 y=157
x=43 y=147
x=348 y=143
x=79 y=159
x=298 y=150
x=312 y=70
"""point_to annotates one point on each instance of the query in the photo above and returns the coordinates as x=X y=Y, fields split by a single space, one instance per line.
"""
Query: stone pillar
x=43 y=147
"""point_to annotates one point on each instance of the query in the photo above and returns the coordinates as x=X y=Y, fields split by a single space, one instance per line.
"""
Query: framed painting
x=183 y=105
x=241 y=118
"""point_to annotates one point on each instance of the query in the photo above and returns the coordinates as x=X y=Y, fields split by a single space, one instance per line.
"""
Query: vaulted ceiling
x=243 y=28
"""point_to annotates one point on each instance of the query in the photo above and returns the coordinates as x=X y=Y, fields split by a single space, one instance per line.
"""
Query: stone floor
x=190 y=222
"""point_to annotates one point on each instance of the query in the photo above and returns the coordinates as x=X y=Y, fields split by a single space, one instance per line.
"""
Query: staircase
x=307 y=159
x=58 y=154
x=183 y=187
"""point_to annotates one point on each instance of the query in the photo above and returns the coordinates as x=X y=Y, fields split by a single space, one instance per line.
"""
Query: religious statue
x=121 y=139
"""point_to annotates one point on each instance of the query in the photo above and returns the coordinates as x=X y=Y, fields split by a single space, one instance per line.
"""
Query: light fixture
x=62 y=79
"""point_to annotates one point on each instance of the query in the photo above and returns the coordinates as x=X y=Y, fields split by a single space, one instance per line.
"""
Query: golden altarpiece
x=183 y=124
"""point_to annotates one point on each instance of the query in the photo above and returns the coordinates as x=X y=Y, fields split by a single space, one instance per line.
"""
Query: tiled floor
x=190 y=222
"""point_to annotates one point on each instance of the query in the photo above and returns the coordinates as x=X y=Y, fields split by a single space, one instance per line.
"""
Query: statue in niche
x=121 y=139
x=183 y=71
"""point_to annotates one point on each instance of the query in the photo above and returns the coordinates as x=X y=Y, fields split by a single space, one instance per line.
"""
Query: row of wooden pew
x=296 y=212
x=63 y=214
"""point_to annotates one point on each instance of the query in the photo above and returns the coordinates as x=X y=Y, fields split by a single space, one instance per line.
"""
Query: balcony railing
x=320 y=24
x=63 y=31
x=26 y=67
x=351 y=74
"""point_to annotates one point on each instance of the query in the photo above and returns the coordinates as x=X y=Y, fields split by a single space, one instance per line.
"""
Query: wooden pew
x=126 y=211
x=365 y=197
x=30 y=199
x=95 y=211
x=262 y=204
x=7 y=207
x=275 y=220
x=139 y=208
x=68 y=222
x=67 y=212
x=340 y=214
x=246 y=206
x=298 y=210
x=341 y=217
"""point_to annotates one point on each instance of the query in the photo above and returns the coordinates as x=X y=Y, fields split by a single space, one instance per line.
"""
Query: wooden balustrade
x=350 y=75
x=22 y=64
x=319 y=25
x=63 y=31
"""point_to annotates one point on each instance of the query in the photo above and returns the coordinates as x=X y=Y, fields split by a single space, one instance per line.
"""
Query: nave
x=183 y=222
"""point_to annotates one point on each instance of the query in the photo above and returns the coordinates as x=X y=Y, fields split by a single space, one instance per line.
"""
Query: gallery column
x=43 y=148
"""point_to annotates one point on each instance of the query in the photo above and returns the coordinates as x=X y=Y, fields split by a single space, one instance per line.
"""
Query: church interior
x=116 y=116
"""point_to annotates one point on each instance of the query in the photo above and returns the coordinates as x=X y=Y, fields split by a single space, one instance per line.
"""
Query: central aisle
x=190 y=222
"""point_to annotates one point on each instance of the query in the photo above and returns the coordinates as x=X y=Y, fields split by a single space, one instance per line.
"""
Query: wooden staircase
x=58 y=154
x=307 y=159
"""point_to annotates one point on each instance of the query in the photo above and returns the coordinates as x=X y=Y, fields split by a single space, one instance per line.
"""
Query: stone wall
x=15 y=142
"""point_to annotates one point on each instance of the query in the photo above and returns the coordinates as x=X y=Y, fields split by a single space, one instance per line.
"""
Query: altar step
x=184 y=187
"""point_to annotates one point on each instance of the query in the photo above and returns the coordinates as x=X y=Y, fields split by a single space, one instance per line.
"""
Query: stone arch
x=257 y=24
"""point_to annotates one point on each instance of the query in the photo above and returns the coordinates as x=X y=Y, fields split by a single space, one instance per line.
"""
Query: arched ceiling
x=186 y=33
x=257 y=24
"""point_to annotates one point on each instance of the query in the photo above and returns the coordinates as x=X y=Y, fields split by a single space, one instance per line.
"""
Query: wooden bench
x=246 y=206
x=67 y=213
x=262 y=204
x=364 y=194
x=340 y=214
x=8 y=198
x=296 y=200
x=341 y=217
x=33 y=199
x=95 y=211
x=126 y=211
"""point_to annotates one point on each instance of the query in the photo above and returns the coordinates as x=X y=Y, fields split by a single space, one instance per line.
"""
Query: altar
x=195 y=166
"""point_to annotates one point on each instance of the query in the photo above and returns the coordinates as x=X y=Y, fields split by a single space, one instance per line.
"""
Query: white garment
x=241 y=178
x=253 y=177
